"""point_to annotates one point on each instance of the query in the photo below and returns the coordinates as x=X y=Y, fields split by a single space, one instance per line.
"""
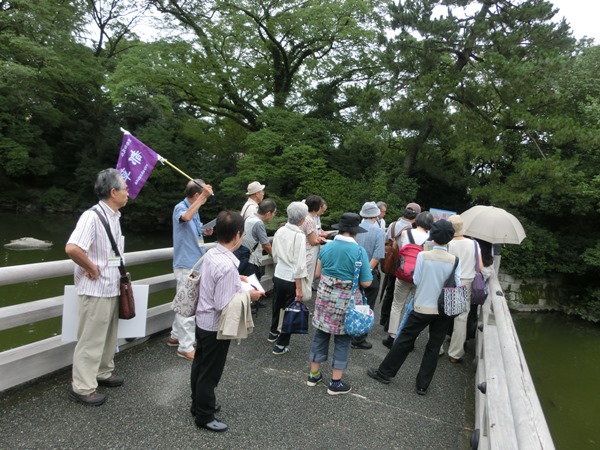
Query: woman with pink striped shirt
x=220 y=283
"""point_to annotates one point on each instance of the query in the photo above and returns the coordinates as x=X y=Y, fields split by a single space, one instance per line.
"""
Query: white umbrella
x=493 y=225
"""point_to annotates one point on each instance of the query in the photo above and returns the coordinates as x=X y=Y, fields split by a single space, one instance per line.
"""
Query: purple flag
x=136 y=162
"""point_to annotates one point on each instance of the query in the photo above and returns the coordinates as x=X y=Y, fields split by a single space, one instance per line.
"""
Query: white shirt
x=465 y=250
x=289 y=253
x=419 y=236
x=90 y=236
x=249 y=209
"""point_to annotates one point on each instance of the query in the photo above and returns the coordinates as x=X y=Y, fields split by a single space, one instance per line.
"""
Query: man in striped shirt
x=97 y=284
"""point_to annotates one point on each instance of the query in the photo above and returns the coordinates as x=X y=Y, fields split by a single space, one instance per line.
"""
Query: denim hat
x=349 y=223
x=370 y=209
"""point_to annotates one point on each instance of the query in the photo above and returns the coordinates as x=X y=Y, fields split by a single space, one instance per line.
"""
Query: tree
x=244 y=57
x=45 y=73
x=114 y=21
x=472 y=85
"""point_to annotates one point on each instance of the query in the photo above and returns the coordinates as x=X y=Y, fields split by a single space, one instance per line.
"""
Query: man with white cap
x=255 y=193
x=373 y=241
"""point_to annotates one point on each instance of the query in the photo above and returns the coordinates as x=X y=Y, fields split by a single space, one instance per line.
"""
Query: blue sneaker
x=313 y=381
x=272 y=336
x=338 y=388
x=277 y=350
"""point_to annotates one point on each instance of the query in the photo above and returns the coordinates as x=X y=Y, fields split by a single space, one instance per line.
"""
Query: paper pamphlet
x=252 y=283
x=209 y=225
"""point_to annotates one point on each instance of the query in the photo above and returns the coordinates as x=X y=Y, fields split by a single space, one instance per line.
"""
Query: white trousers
x=459 y=335
x=96 y=342
x=183 y=328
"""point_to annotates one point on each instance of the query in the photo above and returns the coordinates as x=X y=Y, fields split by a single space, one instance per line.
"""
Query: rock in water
x=28 y=243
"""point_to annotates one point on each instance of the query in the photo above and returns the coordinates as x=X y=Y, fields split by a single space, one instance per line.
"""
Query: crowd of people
x=345 y=265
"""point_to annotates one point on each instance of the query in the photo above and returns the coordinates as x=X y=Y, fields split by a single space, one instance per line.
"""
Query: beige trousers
x=96 y=342
x=402 y=293
x=459 y=335
x=311 y=262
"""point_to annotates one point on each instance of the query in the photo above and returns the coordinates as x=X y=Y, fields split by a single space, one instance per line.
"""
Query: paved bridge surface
x=265 y=401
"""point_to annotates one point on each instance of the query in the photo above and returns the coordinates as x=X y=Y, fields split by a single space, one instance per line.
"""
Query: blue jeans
x=319 y=349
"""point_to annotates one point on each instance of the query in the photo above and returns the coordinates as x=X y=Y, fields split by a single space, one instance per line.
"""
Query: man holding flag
x=136 y=162
x=188 y=248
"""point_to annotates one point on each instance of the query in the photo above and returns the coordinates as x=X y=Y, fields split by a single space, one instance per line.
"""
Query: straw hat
x=255 y=187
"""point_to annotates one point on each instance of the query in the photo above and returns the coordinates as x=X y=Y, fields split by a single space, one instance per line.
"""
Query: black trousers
x=438 y=325
x=387 y=295
x=284 y=293
x=252 y=269
x=207 y=369
x=371 y=294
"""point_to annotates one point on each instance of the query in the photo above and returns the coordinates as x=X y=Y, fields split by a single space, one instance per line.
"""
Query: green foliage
x=540 y=253
x=585 y=305
x=56 y=200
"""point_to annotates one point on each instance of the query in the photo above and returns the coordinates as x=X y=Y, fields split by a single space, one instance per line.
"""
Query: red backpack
x=407 y=259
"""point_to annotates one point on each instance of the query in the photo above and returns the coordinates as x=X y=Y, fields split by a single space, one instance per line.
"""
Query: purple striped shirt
x=90 y=235
x=219 y=283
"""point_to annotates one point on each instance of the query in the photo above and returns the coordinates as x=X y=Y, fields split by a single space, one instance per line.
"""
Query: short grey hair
x=296 y=211
x=380 y=204
x=107 y=180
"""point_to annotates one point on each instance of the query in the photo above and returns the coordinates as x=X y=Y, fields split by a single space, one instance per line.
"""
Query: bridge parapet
x=508 y=414
x=27 y=362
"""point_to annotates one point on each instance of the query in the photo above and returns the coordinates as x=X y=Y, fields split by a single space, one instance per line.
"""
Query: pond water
x=57 y=228
x=563 y=355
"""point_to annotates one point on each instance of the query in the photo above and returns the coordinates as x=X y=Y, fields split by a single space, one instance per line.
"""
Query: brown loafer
x=93 y=399
x=172 y=342
x=455 y=360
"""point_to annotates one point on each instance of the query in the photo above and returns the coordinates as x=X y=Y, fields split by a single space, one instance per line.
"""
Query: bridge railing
x=27 y=362
x=508 y=414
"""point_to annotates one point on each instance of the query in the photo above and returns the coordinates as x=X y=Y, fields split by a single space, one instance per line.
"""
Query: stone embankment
x=530 y=295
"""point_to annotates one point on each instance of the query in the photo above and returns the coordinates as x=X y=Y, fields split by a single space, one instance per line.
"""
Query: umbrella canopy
x=493 y=225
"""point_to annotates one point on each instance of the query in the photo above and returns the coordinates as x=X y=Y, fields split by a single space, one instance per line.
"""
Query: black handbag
x=295 y=319
x=126 y=300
